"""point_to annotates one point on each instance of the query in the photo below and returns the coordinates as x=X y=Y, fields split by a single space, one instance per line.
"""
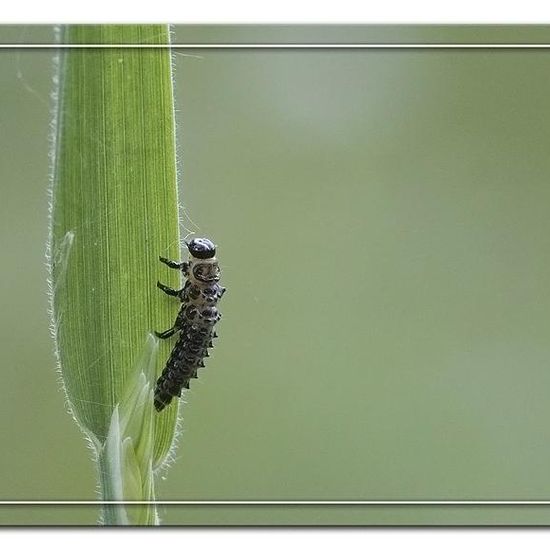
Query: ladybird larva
x=195 y=321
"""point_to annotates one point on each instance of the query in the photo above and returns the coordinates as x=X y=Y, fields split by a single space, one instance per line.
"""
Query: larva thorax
x=202 y=292
x=203 y=272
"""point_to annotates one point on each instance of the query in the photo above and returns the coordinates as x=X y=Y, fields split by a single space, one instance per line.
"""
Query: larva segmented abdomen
x=186 y=357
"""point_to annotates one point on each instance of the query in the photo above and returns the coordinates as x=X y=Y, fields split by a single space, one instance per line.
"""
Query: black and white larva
x=195 y=321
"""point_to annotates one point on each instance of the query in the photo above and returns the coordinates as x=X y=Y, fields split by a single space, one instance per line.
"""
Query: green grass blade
x=114 y=211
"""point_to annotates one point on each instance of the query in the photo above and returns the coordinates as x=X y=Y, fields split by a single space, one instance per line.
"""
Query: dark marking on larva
x=195 y=321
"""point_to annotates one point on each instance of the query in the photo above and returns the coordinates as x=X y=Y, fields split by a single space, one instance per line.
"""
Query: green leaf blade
x=114 y=211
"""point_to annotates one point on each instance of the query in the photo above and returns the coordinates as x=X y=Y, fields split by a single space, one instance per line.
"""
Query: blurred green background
x=382 y=218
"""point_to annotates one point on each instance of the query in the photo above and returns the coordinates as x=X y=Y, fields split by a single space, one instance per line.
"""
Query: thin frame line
x=282 y=502
x=340 y=46
x=280 y=46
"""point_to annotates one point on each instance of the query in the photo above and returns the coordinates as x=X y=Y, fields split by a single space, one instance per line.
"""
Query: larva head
x=201 y=248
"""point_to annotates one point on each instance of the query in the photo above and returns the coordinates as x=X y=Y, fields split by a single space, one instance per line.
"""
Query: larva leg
x=175 y=265
x=168 y=290
x=166 y=333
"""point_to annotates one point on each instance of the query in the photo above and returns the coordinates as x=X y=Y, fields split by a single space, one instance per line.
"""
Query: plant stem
x=114 y=210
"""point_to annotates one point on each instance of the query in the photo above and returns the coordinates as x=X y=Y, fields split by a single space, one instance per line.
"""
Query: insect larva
x=195 y=321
